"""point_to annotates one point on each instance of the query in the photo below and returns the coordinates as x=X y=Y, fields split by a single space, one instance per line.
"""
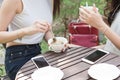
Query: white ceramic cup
x=58 y=45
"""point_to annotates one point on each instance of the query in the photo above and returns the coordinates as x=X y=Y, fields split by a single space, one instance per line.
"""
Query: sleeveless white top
x=33 y=10
x=116 y=28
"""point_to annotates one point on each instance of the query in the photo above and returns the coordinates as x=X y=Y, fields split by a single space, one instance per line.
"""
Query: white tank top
x=33 y=10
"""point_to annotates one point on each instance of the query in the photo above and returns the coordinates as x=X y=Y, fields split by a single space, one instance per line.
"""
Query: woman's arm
x=95 y=19
x=9 y=9
x=111 y=35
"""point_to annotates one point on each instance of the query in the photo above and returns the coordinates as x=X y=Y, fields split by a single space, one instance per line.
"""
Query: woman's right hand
x=37 y=27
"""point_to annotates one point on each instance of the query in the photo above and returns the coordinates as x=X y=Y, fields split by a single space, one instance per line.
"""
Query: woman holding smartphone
x=112 y=29
x=28 y=22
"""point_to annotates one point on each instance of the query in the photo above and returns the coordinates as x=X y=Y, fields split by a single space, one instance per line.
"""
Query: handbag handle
x=76 y=31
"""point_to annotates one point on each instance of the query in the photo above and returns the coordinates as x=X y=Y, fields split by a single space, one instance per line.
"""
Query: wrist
x=20 y=33
x=104 y=29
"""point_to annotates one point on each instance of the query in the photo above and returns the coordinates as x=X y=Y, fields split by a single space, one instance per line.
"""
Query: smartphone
x=95 y=56
x=40 y=61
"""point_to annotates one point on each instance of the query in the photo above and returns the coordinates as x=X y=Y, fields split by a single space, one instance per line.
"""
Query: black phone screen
x=95 y=55
x=40 y=62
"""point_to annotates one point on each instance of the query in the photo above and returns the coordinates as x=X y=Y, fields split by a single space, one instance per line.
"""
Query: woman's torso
x=33 y=10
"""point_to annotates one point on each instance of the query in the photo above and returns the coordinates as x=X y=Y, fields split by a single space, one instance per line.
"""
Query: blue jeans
x=17 y=56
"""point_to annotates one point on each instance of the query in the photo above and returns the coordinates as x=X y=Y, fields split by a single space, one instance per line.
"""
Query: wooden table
x=69 y=62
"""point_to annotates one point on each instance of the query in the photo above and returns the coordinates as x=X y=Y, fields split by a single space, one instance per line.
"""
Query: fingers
x=65 y=48
x=85 y=10
x=84 y=14
x=42 y=26
x=95 y=9
x=87 y=13
x=82 y=18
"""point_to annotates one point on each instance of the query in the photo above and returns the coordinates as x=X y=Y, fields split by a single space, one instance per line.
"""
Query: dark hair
x=113 y=6
x=56 y=7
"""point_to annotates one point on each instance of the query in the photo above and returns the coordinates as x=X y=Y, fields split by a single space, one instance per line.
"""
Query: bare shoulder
x=11 y=1
x=10 y=4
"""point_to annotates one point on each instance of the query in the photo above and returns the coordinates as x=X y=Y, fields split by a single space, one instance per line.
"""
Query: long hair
x=113 y=6
x=56 y=7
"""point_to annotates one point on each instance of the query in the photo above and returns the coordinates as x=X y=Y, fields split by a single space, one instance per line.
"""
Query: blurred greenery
x=44 y=46
x=2 y=70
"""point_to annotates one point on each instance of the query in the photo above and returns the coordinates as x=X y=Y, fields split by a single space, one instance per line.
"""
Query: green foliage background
x=70 y=8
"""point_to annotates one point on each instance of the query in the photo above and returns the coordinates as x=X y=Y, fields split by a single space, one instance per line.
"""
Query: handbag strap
x=76 y=31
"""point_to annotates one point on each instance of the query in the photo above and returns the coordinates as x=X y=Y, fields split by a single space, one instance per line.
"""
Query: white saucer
x=47 y=73
x=104 y=71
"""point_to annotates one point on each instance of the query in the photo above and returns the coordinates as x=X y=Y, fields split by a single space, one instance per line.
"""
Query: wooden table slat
x=59 y=55
x=65 y=57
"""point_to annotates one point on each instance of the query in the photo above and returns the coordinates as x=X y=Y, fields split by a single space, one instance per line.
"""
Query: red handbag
x=83 y=34
x=81 y=28
x=86 y=40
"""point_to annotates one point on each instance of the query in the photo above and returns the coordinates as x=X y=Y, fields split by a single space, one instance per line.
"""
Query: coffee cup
x=57 y=44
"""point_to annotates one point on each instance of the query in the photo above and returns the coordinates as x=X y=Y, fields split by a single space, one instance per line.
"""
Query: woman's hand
x=92 y=17
x=37 y=27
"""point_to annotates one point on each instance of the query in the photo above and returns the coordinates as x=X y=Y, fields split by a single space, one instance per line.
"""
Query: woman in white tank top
x=112 y=29
x=28 y=22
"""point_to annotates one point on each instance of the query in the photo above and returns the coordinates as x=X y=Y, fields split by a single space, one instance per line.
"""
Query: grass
x=2 y=67
x=2 y=70
x=44 y=46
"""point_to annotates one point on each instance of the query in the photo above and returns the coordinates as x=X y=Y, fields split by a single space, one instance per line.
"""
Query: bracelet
x=18 y=34
x=104 y=30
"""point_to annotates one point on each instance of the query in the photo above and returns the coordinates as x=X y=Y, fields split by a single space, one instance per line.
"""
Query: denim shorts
x=17 y=56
